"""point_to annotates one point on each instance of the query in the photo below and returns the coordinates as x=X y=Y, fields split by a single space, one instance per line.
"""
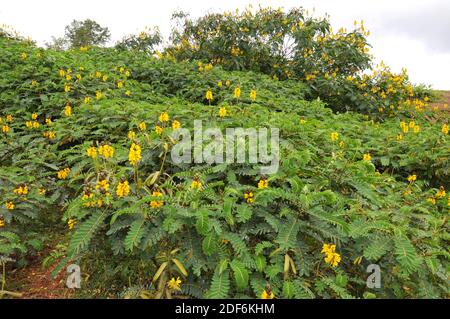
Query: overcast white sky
x=405 y=33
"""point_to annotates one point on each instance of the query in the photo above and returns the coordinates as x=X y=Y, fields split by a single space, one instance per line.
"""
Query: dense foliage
x=85 y=150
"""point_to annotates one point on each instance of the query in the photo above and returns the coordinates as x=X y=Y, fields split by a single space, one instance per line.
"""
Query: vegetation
x=363 y=177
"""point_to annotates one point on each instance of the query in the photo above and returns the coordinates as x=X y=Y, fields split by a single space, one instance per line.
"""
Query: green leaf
x=202 y=224
x=135 y=234
x=240 y=274
x=209 y=244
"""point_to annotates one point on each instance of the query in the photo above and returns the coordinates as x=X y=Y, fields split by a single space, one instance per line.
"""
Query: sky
x=414 y=34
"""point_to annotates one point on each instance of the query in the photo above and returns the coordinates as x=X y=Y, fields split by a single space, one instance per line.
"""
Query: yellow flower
x=209 y=95
x=164 y=117
x=64 y=173
x=431 y=200
x=102 y=185
x=9 y=205
x=71 y=223
x=176 y=125
x=78 y=76
x=220 y=84
x=5 y=129
x=227 y=83
x=34 y=116
x=98 y=95
x=445 y=129
x=441 y=193
x=23 y=56
x=83 y=49
x=248 y=196
x=237 y=92
x=328 y=248
x=87 y=99
x=92 y=152
x=158 y=129
x=367 y=157
x=222 y=111
x=302 y=121
x=412 y=178
x=196 y=184
x=123 y=189
x=253 y=95
x=334 y=136
x=34 y=82
x=174 y=283
x=2 y=223
x=9 y=118
x=62 y=73
x=68 y=77
x=156 y=203
x=416 y=129
x=68 y=111
x=105 y=78
x=131 y=135
x=21 y=190
x=267 y=294
x=142 y=126
x=128 y=93
x=120 y=84
x=98 y=74
x=66 y=88
x=106 y=151
x=48 y=121
x=42 y=191
x=399 y=137
x=341 y=144
x=49 y=134
x=134 y=156
x=263 y=183
x=412 y=124
x=333 y=259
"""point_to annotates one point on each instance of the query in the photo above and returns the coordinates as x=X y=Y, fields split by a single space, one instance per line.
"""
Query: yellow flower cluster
x=21 y=190
x=237 y=92
x=102 y=186
x=49 y=135
x=123 y=189
x=32 y=124
x=156 y=203
x=134 y=156
x=332 y=257
x=209 y=95
x=334 y=136
x=92 y=152
x=174 y=284
x=164 y=117
x=367 y=157
x=158 y=129
x=64 y=173
x=9 y=205
x=248 y=196
x=222 y=111
x=445 y=129
x=142 y=126
x=5 y=129
x=71 y=223
x=131 y=135
x=2 y=223
x=267 y=293
x=263 y=183
x=176 y=125
x=107 y=151
x=196 y=184
x=412 y=178
x=253 y=95
x=441 y=193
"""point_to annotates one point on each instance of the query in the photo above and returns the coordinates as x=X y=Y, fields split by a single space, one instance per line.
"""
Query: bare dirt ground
x=36 y=282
